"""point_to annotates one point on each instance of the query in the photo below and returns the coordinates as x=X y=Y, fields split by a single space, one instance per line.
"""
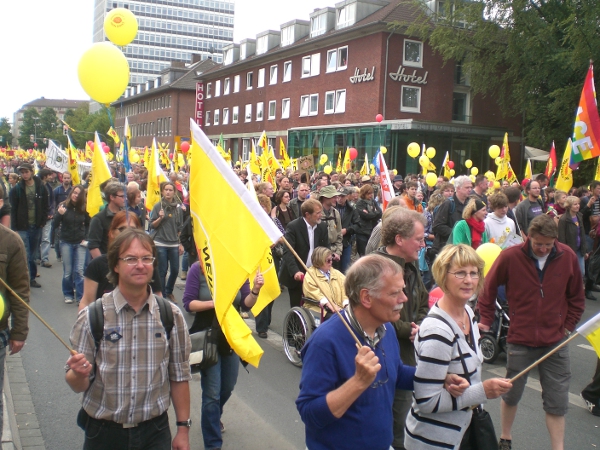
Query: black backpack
x=96 y=318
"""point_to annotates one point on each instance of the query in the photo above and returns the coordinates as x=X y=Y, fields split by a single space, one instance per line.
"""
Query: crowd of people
x=417 y=373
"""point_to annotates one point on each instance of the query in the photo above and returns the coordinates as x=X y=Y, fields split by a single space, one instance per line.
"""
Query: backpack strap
x=166 y=315
x=96 y=321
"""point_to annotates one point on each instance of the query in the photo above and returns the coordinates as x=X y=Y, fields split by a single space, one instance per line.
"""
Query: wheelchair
x=299 y=323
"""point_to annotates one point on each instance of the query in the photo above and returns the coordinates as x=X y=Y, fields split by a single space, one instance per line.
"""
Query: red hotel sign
x=199 y=110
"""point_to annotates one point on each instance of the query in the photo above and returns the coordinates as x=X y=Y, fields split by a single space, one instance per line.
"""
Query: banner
x=56 y=158
x=586 y=132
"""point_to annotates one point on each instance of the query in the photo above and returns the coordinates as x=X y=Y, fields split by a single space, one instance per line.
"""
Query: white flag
x=56 y=158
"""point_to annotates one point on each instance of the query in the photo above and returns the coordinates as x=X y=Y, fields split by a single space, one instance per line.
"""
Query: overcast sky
x=42 y=41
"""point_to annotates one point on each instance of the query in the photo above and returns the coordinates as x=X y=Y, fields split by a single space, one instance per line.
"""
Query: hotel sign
x=362 y=77
x=199 y=108
x=402 y=76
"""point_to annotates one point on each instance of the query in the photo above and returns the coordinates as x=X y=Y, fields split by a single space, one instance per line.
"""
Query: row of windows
x=335 y=103
x=154 y=24
x=145 y=106
x=171 y=13
x=162 y=127
x=172 y=41
x=345 y=16
x=210 y=4
x=147 y=65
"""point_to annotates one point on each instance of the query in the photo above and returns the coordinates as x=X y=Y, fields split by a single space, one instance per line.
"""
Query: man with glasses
x=402 y=237
x=544 y=289
x=139 y=366
x=346 y=395
x=114 y=193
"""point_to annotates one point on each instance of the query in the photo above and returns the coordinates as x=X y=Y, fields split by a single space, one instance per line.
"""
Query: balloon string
x=110 y=118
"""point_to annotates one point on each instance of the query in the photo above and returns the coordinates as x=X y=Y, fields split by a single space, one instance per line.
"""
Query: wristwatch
x=184 y=423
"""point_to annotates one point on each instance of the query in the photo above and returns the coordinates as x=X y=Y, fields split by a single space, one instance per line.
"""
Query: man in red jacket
x=544 y=288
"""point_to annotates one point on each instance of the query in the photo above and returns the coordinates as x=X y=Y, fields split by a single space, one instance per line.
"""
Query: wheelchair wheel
x=489 y=348
x=298 y=325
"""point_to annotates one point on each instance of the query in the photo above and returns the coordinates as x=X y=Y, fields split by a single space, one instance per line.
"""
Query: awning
x=535 y=154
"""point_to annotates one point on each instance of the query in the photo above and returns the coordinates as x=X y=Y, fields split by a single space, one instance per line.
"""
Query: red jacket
x=539 y=310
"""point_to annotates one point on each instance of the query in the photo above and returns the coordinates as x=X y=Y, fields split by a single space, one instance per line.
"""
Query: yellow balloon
x=472 y=178
x=488 y=252
x=490 y=175
x=323 y=159
x=383 y=150
x=468 y=163
x=327 y=169
x=494 y=151
x=474 y=171
x=135 y=158
x=430 y=152
x=452 y=172
x=413 y=149
x=424 y=161
x=496 y=185
x=395 y=172
x=120 y=26
x=431 y=179
x=103 y=72
x=498 y=161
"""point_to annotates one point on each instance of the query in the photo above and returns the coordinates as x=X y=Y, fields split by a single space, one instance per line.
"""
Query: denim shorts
x=555 y=375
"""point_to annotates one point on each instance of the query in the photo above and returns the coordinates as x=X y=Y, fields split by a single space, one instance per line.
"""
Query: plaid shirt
x=135 y=363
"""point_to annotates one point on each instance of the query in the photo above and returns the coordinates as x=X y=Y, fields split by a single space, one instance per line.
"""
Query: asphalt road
x=261 y=413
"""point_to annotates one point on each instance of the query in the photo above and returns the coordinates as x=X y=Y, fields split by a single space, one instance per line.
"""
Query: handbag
x=205 y=348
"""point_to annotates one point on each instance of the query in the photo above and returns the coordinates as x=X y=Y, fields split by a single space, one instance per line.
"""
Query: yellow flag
x=564 y=182
x=176 y=158
x=146 y=158
x=113 y=134
x=99 y=173
x=597 y=174
x=263 y=141
x=338 y=167
x=364 y=170
x=254 y=162
x=284 y=156
x=218 y=233
x=346 y=164
x=73 y=162
x=155 y=177
x=502 y=171
x=528 y=170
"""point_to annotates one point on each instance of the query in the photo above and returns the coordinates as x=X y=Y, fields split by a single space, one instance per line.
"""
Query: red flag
x=552 y=162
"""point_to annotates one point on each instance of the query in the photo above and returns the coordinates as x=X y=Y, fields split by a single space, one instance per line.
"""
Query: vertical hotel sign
x=199 y=109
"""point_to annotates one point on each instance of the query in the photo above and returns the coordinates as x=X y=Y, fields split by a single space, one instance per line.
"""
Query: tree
x=6 y=136
x=530 y=55
x=28 y=128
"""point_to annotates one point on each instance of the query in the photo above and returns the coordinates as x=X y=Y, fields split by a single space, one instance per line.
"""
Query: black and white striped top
x=437 y=420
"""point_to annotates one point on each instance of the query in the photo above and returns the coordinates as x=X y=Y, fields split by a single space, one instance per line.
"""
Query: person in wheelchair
x=323 y=282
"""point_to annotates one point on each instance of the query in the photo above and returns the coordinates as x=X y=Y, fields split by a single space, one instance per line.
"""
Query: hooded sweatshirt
x=498 y=228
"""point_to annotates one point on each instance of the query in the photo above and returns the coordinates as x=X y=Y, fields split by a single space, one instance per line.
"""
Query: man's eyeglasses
x=462 y=274
x=132 y=260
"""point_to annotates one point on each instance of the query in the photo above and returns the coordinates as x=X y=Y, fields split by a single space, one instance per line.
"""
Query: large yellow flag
x=99 y=173
x=364 y=170
x=73 y=162
x=155 y=177
x=231 y=241
x=284 y=156
x=564 y=182
x=346 y=165
x=502 y=171
x=528 y=170
x=597 y=174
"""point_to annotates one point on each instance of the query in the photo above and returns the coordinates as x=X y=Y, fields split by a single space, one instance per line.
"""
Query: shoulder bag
x=205 y=349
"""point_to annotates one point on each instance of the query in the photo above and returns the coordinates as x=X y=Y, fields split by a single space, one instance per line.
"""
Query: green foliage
x=86 y=124
x=530 y=55
x=6 y=136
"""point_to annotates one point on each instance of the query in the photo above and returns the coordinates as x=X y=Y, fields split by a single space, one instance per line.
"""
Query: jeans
x=581 y=260
x=31 y=239
x=361 y=243
x=263 y=319
x=345 y=259
x=168 y=258
x=2 y=358
x=153 y=434
x=73 y=257
x=57 y=246
x=184 y=262
x=45 y=245
x=217 y=384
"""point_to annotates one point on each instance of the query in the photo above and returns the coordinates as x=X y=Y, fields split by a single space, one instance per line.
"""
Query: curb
x=9 y=428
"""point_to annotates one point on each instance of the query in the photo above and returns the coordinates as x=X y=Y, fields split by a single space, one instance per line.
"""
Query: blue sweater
x=328 y=362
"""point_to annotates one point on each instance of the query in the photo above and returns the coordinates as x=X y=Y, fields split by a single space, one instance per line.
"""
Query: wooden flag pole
x=546 y=356
x=358 y=343
x=73 y=352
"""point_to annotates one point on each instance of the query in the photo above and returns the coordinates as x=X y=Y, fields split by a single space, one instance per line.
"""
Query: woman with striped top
x=438 y=420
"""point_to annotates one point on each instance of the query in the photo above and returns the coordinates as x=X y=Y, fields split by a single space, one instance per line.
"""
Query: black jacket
x=75 y=225
x=99 y=226
x=446 y=216
x=19 y=214
x=349 y=222
x=567 y=232
x=367 y=220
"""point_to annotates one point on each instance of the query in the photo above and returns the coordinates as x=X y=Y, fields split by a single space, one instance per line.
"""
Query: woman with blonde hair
x=471 y=230
x=571 y=231
x=447 y=343
x=323 y=282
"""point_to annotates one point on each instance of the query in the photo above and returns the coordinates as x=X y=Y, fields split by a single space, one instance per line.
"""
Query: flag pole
x=73 y=352
x=546 y=356
x=358 y=343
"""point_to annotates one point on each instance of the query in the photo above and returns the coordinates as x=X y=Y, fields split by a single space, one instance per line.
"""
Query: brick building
x=319 y=85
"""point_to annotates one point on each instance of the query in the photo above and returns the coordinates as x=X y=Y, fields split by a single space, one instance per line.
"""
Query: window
x=259 y=111
x=346 y=15
x=311 y=65
x=226 y=86
x=342 y=58
x=236 y=83
x=318 y=25
x=273 y=75
x=287 y=71
x=207 y=118
x=460 y=107
x=225 y=116
x=314 y=105
x=249 y=76
x=413 y=53
x=243 y=51
x=285 y=108
x=216 y=117
x=218 y=88
x=340 y=101
x=235 y=114
x=248 y=114
x=245 y=149
x=411 y=99
x=272 y=109
x=229 y=56
x=208 y=90
x=331 y=61
x=460 y=77
x=287 y=36
x=304 y=105
x=261 y=78
x=329 y=102
x=262 y=44
x=309 y=105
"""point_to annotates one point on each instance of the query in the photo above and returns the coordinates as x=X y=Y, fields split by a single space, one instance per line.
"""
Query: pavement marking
x=587 y=347
x=534 y=384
